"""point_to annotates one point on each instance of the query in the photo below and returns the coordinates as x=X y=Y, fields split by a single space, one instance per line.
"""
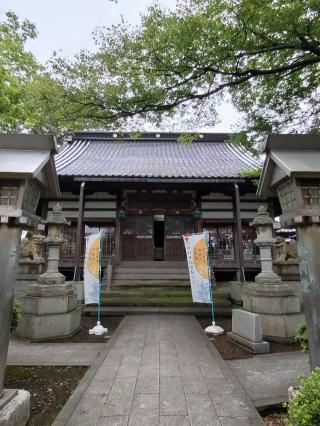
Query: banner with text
x=91 y=270
x=197 y=256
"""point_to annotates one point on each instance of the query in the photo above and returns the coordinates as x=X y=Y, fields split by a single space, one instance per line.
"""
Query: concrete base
x=286 y=270
x=236 y=292
x=281 y=328
x=279 y=307
x=16 y=411
x=78 y=287
x=254 y=347
x=49 y=312
x=38 y=328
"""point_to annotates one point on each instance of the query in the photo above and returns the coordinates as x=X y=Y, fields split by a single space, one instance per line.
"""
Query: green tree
x=17 y=69
x=264 y=53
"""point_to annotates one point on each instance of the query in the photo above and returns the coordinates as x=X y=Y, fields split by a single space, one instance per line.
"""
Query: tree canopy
x=265 y=53
x=17 y=69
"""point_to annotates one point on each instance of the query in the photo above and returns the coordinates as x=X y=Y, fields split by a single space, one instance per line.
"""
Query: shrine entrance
x=158 y=237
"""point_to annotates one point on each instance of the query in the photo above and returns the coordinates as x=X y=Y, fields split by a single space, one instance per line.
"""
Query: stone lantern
x=275 y=301
x=291 y=172
x=49 y=309
x=26 y=172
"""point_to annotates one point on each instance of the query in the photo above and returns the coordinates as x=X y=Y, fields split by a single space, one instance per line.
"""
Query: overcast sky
x=66 y=26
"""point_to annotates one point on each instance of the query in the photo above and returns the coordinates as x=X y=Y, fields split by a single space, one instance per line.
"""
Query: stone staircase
x=150 y=274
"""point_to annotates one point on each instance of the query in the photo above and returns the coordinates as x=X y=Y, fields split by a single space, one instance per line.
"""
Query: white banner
x=197 y=255
x=91 y=269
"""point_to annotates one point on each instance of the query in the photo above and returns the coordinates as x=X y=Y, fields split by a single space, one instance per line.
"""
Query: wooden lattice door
x=137 y=238
x=174 y=228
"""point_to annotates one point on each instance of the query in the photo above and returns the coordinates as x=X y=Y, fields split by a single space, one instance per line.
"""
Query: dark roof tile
x=101 y=155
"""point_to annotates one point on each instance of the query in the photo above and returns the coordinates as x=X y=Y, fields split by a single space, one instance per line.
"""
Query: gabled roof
x=288 y=156
x=151 y=156
x=30 y=156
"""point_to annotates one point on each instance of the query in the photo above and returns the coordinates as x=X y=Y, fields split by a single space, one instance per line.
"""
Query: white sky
x=66 y=26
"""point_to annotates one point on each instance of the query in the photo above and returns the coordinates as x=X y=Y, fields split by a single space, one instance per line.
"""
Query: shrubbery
x=302 y=338
x=16 y=313
x=304 y=408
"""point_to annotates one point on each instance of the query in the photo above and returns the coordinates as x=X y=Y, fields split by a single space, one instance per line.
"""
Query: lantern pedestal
x=49 y=312
x=50 y=309
x=279 y=308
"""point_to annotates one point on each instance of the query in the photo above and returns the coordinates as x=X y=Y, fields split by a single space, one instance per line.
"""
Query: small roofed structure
x=291 y=172
x=30 y=156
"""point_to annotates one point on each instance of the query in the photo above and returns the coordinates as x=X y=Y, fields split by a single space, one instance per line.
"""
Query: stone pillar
x=268 y=296
x=49 y=309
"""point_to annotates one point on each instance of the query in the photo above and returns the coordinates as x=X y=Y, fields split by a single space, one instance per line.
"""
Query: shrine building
x=145 y=192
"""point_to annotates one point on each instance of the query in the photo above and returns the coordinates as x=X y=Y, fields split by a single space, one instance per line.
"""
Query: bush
x=302 y=338
x=16 y=313
x=304 y=408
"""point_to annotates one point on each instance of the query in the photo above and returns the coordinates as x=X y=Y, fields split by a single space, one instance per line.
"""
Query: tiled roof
x=151 y=156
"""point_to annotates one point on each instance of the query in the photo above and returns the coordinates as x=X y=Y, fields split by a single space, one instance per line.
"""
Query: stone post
x=9 y=249
x=50 y=308
x=274 y=300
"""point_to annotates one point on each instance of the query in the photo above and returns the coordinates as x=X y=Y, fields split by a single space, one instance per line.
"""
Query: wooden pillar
x=118 y=232
x=239 y=241
x=79 y=238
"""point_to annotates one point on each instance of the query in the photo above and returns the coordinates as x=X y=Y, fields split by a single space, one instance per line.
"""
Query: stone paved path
x=266 y=378
x=159 y=370
x=26 y=353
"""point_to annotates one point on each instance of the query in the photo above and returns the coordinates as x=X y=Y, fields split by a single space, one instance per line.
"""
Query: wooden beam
x=240 y=274
x=79 y=238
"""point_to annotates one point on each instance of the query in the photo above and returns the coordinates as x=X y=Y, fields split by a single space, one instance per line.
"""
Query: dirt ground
x=49 y=387
x=275 y=419
x=229 y=350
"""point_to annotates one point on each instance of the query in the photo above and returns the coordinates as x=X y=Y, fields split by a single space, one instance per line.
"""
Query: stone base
x=287 y=271
x=267 y=278
x=37 y=328
x=281 y=328
x=49 y=312
x=78 y=287
x=254 y=347
x=278 y=306
x=16 y=410
x=236 y=292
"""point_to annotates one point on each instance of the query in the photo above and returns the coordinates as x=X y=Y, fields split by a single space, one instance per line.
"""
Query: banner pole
x=212 y=329
x=99 y=330
x=100 y=264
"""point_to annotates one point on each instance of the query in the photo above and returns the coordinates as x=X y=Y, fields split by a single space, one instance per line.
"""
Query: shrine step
x=151 y=274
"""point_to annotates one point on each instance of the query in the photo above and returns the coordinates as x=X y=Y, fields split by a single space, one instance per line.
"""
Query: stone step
x=122 y=270
x=150 y=283
x=146 y=276
x=152 y=264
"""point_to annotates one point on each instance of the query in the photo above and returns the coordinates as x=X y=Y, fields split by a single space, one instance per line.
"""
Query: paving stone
x=160 y=370
x=169 y=365
x=147 y=384
x=145 y=404
x=143 y=420
x=129 y=366
x=239 y=421
x=119 y=400
x=201 y=411
x=227 y=405
x=174 y=421
x=172 y=398
x=113 y=421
